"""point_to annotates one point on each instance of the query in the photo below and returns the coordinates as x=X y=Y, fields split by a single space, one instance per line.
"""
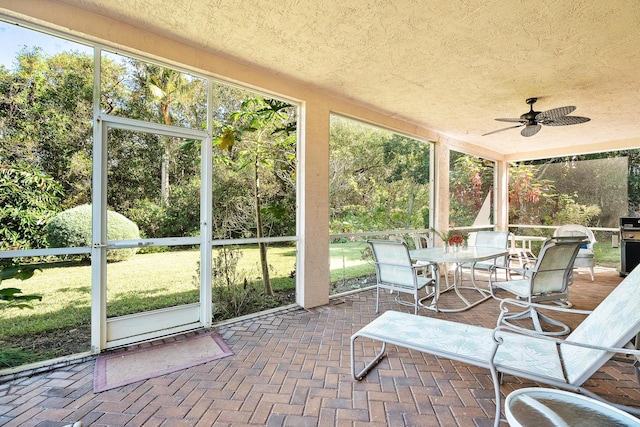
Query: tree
x=355 y=166
x=261 y=137
x=149 y=173
x=471 y=180
x=170 y=93
x=45 y=113
x=377 y=180
x=409 y=164
x=633 y=179
x=590 y=190
x=530 y=198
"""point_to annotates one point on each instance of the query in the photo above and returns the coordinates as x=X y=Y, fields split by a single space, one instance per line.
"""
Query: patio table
x=470 y=255
x=541 y=407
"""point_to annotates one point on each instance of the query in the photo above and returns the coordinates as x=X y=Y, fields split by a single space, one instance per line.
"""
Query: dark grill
x=629 y=244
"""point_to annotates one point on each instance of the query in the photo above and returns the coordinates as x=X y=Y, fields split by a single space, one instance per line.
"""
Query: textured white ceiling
x=450 y=65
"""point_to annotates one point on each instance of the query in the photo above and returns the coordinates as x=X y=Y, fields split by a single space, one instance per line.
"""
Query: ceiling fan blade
x=512 y=120
x=530 y=130
x=565 y=121
x=500 y=130
x=555 y=113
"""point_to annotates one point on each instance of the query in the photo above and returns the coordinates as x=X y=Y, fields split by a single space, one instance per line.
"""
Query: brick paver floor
x=291 y=368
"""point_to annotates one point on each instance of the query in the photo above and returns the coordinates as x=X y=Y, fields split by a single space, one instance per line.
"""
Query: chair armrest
x=493 y=273
x=524 y=304
x=435 y=270
x=424 y=264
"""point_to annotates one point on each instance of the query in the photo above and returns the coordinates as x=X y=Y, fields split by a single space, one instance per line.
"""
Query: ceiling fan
x=533 y=119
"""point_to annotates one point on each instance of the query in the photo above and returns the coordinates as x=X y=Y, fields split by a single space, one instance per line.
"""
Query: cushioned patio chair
x=547 y=280
x=396 y=272
x=586 y=257
x=566 y=364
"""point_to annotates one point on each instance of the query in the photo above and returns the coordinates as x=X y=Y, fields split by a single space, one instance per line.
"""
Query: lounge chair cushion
x=466 y=343
x=612 y=324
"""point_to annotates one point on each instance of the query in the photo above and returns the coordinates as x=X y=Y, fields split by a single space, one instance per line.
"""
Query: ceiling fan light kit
x=532 y=120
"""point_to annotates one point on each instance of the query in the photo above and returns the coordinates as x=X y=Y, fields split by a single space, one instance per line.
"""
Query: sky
x=13 y=38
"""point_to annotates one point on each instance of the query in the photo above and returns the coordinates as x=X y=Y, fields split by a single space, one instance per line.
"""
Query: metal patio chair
x=490 y=239
x=547 y=280
x=396 y=272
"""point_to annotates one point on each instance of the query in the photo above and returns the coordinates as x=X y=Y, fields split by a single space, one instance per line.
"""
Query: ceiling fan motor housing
x=530 y=116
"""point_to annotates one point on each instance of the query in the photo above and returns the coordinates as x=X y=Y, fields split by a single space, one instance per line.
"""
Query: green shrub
x=573 y=213
x=180 y=218
x=233 y=293
x=73 y=228
x=149 y=217
x=28 y=199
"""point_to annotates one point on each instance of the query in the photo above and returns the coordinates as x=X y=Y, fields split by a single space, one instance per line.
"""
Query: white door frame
x=137 y=327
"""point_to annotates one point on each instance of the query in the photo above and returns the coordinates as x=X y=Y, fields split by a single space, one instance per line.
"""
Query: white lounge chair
x=564 y=363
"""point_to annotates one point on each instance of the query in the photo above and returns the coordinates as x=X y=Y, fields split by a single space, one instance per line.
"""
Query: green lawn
x=349 y=260
x=148 y=282
x=145 y=282
x=606 y=255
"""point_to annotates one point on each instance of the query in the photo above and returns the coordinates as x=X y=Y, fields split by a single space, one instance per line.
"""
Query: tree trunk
x=164 y=171
x=165 y=179
x=264 y=264
x=412 y=198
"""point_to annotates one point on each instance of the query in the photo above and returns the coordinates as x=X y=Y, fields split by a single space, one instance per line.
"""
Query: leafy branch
x=12 y=297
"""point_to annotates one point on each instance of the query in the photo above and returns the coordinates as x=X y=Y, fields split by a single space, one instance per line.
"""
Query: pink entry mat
x=128 y=366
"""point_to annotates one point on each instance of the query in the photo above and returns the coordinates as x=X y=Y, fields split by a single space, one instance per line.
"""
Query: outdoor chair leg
x=363 y=373
x=497 y=380
x=537 y=318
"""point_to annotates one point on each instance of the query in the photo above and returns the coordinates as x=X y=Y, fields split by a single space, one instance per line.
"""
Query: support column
x=502 y=195
x=312 y=275
x=441 y=189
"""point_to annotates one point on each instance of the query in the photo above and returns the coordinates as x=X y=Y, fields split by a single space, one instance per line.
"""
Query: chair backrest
x=512 y=241
x=575 y=230
x=553 y=268
x=493 y=239
x=613 y=323
x=421 y=241
x=393 y=262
